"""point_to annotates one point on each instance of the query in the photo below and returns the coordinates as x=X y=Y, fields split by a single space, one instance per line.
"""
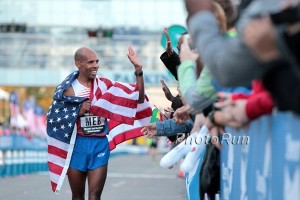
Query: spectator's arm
x=198 y=93
x=228 y=59
x=170 y=127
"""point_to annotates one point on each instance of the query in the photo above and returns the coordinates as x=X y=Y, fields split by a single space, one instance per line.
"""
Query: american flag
x=113 y=100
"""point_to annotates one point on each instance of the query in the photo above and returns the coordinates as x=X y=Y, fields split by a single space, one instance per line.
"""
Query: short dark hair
x=229 y=10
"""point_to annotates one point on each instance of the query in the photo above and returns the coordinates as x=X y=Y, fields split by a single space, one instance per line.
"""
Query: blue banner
x=20 y=142
x=263 y=161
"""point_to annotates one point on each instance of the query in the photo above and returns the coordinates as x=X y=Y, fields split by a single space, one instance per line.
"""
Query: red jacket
x=259 y=102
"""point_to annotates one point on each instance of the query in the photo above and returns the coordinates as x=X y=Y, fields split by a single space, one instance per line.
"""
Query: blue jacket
x=170 y=127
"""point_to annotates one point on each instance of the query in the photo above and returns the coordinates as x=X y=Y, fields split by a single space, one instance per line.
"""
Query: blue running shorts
x=89 y=153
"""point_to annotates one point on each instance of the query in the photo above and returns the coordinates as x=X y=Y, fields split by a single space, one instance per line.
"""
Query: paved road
x=130 y=177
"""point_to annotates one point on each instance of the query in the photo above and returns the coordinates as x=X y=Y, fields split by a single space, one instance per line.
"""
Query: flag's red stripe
x=54 y=168
x=112 y=124
x=98 y=93
x=143 y=113
x=92 y=89
x=120 y=101
x=107 y=114
x=139 y=115
x=107 y=82
x=127 y=135
x=56 y=151
x=53 y=185
x=124 y=88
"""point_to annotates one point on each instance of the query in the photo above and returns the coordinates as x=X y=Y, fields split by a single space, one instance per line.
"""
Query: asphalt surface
x=130 y=177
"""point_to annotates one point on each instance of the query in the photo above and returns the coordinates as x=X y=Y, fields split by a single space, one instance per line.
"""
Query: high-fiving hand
x=134 y=59
x=149 y=131
x=169 y=47
x=166 y=90
x=185 y=51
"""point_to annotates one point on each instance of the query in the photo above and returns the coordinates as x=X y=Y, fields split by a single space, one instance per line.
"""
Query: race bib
x=92 y=124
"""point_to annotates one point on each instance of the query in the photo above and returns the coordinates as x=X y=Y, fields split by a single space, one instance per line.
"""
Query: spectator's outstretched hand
x=134 y=59
x=168 y=112
x=224 y=100
x=169 y=47
x=260 y=37
x=149 y=131
x=233 y=113
x=238 y=111
x=166 y=90
x=182 y=114
x=185 y=51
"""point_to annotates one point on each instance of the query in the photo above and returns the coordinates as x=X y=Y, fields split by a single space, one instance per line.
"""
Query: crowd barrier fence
x=267 y=165
x=22 y=155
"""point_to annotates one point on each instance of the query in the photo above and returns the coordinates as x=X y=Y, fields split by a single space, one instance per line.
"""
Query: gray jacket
x=229 y=60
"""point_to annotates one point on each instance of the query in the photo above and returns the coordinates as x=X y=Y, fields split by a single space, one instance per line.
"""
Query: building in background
x=151 y=15
x=38 y=40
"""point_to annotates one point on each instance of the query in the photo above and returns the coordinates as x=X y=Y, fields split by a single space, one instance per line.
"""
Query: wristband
x=138 y=74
